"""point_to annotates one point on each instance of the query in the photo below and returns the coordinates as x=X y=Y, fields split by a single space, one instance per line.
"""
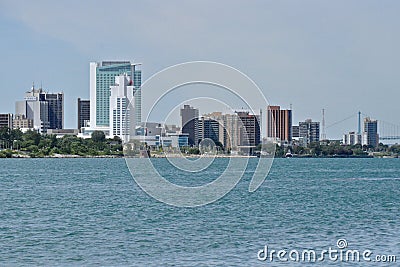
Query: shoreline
x=69 y=156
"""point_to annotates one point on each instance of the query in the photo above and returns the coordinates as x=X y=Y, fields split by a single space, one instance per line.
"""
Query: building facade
x=351 y=139
x=102 y=76
x=249 y=129
x=209 y=129
x=83 y=113
x=190 y=124
x=279 y=124
x=370 y=135
x=22 y=123
x=32 y=108
x=6 y=120
x=122 y=108
x=309 y=131
x=55 y=102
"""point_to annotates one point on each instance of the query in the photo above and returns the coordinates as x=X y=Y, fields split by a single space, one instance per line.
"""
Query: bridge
x=387 y=131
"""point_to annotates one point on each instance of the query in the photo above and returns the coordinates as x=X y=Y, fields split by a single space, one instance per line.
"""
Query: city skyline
x=338 y=58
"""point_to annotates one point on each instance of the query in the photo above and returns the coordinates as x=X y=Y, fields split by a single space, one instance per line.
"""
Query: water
x=72 y=212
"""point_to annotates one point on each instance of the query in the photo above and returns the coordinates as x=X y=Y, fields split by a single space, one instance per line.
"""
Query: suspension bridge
x=387 y=131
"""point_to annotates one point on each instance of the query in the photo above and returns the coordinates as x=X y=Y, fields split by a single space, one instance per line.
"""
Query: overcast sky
x=339 y=55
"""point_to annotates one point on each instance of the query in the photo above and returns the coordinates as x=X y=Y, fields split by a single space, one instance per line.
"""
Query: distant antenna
x=290 y=106
x=323 y=136
x=359 y=122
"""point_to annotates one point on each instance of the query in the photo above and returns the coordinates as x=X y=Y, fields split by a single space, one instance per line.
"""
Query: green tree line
x=33 y=144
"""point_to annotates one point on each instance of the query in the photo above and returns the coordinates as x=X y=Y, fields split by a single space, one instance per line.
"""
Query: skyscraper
x=190 y=123
x=83 y=113
x=279 y=124
x=309 y=131
x=55 y=108
x=229 y=129
x=6 y=120
x=32 y=108
x=249 y=129
x=102 y=76
x=370 y=135
x=209 y=128
x=122 y=120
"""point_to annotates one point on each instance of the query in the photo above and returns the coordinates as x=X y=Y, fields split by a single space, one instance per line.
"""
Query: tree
x=98 y=136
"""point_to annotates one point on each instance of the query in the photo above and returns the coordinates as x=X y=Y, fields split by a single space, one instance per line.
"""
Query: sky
x=341 y=56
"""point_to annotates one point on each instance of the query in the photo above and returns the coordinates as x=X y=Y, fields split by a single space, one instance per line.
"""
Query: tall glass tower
x=102 y=76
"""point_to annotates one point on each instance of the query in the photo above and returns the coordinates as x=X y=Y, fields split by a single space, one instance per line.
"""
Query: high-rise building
x=209 y=128
x=32 y=108
x=83 y=113
x=279 y=124
x=55 y=108
x=22 y=123
x=295 y=131
x=6 y=120
x=309 y=131
x=122 y=110
x=249 y=129
x=190 y=123
x=370 y=135
x=352 y=138
x=102 y=76
x=229 y=129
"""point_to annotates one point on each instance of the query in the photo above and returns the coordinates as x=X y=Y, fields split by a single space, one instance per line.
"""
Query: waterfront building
x=352 y=138
x=6 y=120
x=83 y=113
x=55 y=103
x=190 y=123
x=209 y=128
x=122 y=109
x=102 y=76
x=34 y=109
x=22 y=123
x=279 y=124
x=370 y=135
x=59 y=133
x=309 y=131
x=249 y=129
x=295 y=132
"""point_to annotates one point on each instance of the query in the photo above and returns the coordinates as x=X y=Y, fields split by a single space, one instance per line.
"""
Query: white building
x=102 y=76
x=32 y=108
x=122 y=110
x=352 y=138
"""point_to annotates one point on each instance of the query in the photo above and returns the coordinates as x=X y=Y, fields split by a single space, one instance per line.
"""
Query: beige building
x=22 y=123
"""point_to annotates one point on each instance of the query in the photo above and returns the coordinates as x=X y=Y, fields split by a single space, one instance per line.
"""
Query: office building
x=209 y=129
x=309 y=131
x=6 y=120
x=190 y=123
x=352 y=138
x=122 y=109
x=102 y=76
x=83 y=113
x=279 y=124
x=370 y=135
x=295 y=132
x=229 y=129
x=55 y=103
x=32 y=108
x=249 y=128
x=22 y=123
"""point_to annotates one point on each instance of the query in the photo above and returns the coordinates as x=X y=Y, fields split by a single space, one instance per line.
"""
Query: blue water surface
x=90 y=212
